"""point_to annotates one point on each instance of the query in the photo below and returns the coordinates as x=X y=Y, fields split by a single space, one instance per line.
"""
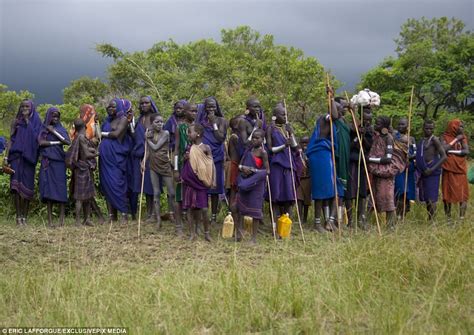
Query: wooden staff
x=333 y=154
x=271 y=209
x=365 y=168
x=293 y=179
x=143 y=183
x=408 y=154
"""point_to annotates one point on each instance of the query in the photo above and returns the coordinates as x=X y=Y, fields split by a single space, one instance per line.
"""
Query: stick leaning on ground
x=336 y=197
x=293 y=179
x=143 y=163
x=408 y=155
x=365 y=168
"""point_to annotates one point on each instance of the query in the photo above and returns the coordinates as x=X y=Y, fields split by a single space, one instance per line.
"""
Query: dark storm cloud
x=46 y=44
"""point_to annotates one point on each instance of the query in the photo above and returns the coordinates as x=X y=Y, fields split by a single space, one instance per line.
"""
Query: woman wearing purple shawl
x=113 y=153
x=23 y=156
x=147 y=107
x=52 y=175
x=215 y=130
x=174 y=120
x=280 y=138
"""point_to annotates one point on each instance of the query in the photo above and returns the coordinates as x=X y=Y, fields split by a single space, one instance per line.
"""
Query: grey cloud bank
x=46 y=44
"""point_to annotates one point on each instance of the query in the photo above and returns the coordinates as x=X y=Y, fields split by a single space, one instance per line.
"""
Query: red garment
x=454 y=163
x=258 y=162
x=454 y=185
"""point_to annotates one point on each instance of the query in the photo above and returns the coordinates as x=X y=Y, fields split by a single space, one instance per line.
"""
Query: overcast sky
x=44 y=44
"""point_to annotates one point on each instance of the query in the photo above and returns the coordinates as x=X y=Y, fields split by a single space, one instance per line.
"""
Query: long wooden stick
x=271 y=209
x=141 y=189
x=408 y=155
x=365 y=169
x=293 y=180
x=333 y=155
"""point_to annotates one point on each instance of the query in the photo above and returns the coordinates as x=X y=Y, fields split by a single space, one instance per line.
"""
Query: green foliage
x=85 y=90
x=9 y=103
x=435 y=57
x=244 y=64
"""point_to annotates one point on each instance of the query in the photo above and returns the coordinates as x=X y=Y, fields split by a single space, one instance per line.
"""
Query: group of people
x=193 y=157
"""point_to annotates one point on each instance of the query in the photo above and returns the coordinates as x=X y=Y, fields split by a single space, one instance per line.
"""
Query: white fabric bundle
x=366 y=97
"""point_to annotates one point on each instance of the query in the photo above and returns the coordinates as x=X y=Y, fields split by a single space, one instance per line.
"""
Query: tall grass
x=417 y=279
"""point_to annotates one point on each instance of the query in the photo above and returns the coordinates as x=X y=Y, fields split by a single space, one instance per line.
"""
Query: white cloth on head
x=366 y=97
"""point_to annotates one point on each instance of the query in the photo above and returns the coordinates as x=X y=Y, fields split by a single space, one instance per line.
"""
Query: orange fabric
x=454 y=163
x=87 y=114
x=455 y=187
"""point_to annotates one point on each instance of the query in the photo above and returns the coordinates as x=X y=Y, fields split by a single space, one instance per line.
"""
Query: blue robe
x=400 y=178
x=321 y=164
x=281 y=181
x=217 y=147
x=113 y=155
x=52 y=174
x=23 y=154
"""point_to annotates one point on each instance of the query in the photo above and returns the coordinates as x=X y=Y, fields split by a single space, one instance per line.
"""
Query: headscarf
x=47 y=122
x=454 y=163
x=172 y=122
x=87 y=113
x=153 y=105
x=119 y=108
x=127 y=105
x=24 y=137
x=201 y=117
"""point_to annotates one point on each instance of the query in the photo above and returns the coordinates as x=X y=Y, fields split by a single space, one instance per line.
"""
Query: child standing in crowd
x=80 y=158
x=160 y=166
x=254 y=169
x=198 y=175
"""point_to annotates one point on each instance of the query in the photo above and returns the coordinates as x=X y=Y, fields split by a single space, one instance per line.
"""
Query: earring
x=247 y=112
x=274 y=118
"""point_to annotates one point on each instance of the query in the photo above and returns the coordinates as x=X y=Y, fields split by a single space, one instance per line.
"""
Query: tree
x=85 y=90
x=9 y=103
x=243 y=64
x=436 y=57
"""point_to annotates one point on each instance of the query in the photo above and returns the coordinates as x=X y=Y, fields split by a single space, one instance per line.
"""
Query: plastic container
x=284 y=226
x=228 y=226
x=248 y=224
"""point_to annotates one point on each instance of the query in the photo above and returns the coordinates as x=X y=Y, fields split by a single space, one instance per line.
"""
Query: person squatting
x=351 y=164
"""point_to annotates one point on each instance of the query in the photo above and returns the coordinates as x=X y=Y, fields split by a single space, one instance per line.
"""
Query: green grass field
x=418 y=279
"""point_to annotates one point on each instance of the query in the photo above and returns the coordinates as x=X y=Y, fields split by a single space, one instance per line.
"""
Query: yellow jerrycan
x=284 y=226
x=248 y=224
x=228 y=226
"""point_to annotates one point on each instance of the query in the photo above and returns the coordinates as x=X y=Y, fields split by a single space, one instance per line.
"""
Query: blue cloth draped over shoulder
x=52 y=175
x=113 y=164
x=172 y=124
x=136 y=157
x=321 y=164
x=281 y=180
x=23 y=154
x=217 y=146
x=400 y=178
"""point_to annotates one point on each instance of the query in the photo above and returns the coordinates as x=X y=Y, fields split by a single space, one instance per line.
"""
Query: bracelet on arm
x=105 y=134
x=374 y=160
x=58 y=135
x=456 y=152
x=279 y=148
x=54 y=142
x=176 y=163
